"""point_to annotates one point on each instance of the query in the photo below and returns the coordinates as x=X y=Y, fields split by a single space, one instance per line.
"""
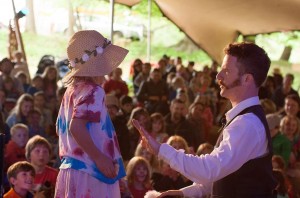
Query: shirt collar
x=241 y=106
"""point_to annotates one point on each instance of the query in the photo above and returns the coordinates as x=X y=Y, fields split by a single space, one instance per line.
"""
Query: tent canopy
x=212 y=24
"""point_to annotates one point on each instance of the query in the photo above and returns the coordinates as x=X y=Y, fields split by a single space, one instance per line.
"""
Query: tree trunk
x=30 y=20
x=70 y=30
x=286 y=53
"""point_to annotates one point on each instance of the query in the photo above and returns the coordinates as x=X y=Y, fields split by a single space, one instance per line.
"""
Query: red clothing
x=114 y=85
x=12 y=194
x=13 y=153
x=49 y=174
x=137 y=193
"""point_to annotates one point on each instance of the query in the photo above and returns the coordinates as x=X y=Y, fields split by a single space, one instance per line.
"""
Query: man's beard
x=235 y=83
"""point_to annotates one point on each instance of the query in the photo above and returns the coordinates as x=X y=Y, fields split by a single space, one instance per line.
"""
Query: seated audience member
x=38 y=152
x=176 y=123
x=9 y=89
x=281 y=190
x=138 y=176
x=281 y=144
x=158 y=129
x=15 y=149
x=268 y=106
x=285 y=89
x=20 y=65
x=34 y=123
x=142 y=115
x=196 y=122
x=292 y=105
x=153 y=93
x=135 y=69
x=267 y=88
x=20 y=175
x=119 y=124
x=40 y=103
x=37 y=84
x=290 y=127
x=204 y=148
x=20 y=112
x=126 y=106
x=169 y=179
x=115 y=85
x=50 y=78
x=22 y=77
x=152 y=159
x=6 y=67
x=143 y=75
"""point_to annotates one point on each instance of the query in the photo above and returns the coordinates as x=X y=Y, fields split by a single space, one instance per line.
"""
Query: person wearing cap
x=240 y=164
x=91 y=163
x=281 y=144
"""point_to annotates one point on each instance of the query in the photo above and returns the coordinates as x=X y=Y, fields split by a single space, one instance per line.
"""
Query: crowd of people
x=174 y=102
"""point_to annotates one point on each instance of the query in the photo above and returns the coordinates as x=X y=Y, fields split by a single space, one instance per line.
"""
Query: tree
x=30 y=20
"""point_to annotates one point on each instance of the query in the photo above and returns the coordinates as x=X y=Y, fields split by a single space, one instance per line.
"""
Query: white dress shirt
x=243 y=139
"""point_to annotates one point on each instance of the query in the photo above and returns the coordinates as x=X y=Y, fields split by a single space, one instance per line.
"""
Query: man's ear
x=247 y=78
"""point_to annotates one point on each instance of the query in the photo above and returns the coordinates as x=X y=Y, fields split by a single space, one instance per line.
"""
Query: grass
x=55 y=44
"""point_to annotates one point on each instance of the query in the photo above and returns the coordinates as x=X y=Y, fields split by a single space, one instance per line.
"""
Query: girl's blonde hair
x=285 y=119
x=178 y=139
x=139 y=153
x=133 y=162
x=17 y=109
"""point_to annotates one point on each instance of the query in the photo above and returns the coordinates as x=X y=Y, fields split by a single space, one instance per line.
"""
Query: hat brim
x=99 y=65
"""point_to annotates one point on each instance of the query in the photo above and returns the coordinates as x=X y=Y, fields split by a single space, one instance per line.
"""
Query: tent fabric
x=212 y=24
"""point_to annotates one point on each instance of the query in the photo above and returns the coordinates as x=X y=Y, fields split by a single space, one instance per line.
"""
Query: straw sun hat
x=90 y=54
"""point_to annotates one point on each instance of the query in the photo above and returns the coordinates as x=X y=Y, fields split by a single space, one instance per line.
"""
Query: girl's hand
x=171 y=193
x=107 y=166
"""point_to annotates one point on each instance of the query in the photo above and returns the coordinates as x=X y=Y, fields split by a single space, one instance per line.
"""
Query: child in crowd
x=88 y=146
x=158 y=127
x=22 y=77
x=50 y=78
x=9 y=88
x=20 y=112
x=204 y=148
x=37 y=84
x=138 y=176
x=126 y=106
x=38 y=153
x=280 y=143
x=152 y=159
x=290 y=127
x=15 y=149
x=34 y=123
x=20 y=175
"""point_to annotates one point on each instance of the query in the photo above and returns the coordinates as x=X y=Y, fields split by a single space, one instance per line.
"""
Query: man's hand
x=148 y=141
x=171 y=193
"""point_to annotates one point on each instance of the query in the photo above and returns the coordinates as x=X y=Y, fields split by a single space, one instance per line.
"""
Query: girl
x=50 y=78
x=88 y=146
x=138 y=176
x=20 y=112
x=158 y=127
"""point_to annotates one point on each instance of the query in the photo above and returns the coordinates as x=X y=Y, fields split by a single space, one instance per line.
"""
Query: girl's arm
x=82 y=137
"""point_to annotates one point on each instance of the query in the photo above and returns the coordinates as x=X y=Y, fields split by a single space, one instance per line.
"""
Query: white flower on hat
x=99 y=50
x=85 y=57
x=72 y=63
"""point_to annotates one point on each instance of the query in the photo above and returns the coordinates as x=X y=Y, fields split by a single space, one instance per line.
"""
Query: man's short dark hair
x=252 y=59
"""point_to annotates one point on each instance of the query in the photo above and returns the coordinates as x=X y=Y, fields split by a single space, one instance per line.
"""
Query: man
x=176 y=123
x=240 y=164
x=285 y=89
x=154 y=93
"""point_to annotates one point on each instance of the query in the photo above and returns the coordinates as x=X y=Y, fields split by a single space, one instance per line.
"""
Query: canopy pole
x=112 y=15
x=149 y=31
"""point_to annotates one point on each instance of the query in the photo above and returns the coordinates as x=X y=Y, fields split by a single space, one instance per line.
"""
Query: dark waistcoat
x=254 y=179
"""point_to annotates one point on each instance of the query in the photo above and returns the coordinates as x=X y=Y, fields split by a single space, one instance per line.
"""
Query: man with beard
x=240 y=164
x=176 y=123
